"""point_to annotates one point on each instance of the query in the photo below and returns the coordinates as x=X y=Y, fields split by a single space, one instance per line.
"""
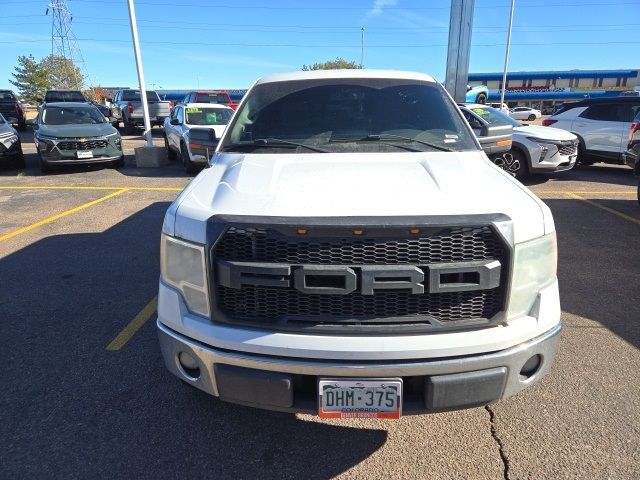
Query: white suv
x=352 y=252
x=601 y=125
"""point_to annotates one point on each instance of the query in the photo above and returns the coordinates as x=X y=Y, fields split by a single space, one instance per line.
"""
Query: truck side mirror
x=496 y=138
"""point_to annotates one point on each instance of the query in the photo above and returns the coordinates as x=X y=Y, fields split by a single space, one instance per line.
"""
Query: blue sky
x=230 y=43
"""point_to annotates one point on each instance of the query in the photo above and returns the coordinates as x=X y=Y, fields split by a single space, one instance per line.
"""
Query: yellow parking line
x=134 y=325
x=624 y=216
x=53 y=218
x=586 y=192
x=61 y=187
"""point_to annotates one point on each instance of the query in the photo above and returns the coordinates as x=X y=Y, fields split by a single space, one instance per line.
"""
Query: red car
x=210 y=96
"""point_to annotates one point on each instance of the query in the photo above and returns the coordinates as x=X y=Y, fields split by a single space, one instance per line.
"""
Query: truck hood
x=361 y=184
x=544 y=133
x=83 y=130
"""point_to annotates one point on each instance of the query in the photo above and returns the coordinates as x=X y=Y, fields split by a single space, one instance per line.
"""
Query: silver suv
x=601 y=125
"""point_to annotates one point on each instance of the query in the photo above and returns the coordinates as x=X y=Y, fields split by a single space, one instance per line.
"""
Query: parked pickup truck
x=352 y=252
x=127 y=107
x=11 y=109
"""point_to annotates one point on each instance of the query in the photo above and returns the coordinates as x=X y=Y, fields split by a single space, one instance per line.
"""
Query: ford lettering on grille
x=367 y=279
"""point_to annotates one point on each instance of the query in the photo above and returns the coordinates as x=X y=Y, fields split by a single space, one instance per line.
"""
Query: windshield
x=64 y=97
x=71 y=116
x=348 y=115
x=494 y=117
x=208 y=116
x=7 y=97
x=134 y=96
x=212 y=98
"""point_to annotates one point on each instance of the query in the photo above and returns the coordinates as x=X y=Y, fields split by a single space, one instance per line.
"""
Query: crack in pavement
x=494 y=434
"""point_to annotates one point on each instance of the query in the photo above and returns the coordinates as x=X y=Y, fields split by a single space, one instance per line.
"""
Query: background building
x=545 y=89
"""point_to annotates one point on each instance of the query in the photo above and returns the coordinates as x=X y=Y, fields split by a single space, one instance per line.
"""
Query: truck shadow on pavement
x=597 y=265
x=72 y=409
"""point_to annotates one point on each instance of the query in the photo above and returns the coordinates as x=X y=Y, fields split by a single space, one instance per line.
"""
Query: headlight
x=544 y=144
x=183 y=266
x=44 y=143
x=534 y=268
x=117 y=139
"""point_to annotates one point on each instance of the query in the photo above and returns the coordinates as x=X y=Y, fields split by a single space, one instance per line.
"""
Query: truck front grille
x=386 y=311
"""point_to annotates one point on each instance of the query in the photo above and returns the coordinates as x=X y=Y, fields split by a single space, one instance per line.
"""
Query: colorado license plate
x=84 y=154
x=360 y=398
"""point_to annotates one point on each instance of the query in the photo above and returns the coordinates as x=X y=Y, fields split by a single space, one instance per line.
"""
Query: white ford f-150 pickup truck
x=352 y=252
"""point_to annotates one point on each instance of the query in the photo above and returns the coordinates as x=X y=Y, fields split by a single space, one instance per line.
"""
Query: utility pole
x=362 y=47
x=460 y=25
x=64 y=45
x=506 y=54
x=143 y=89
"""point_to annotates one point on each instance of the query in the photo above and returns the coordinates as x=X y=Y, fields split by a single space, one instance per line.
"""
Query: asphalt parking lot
x=86 y=394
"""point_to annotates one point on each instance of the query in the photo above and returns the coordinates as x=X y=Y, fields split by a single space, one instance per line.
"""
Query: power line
x=271 y=45
x=273 y=7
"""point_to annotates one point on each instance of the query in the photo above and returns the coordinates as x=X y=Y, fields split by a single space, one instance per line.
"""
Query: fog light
x=530 y=367
x=189 y=364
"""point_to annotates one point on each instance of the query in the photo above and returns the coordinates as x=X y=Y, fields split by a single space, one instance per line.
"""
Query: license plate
x=85 y=154
x=360 y=398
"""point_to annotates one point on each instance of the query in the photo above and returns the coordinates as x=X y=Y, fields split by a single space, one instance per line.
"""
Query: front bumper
x=290 y=384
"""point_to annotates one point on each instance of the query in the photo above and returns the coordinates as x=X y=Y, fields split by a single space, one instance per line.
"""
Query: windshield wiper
x=383 y=136
x=277 y=142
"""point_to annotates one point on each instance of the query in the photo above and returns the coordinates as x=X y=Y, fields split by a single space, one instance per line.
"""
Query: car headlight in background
x=117 y=139
x=183 y=266
x=545 y=145
x=534 y=267
x=8 y=139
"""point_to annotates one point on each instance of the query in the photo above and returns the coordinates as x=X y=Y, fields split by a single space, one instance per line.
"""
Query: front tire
x=531 y=118
x=481 y=98
x=189 y=166
x=514 y=163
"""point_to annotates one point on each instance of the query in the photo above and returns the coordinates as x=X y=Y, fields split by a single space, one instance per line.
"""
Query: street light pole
x=362 y=48
x=143 y=89
x=506 y=54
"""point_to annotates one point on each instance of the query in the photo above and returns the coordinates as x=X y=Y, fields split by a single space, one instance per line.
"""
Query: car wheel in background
x=481 y=98
x=514 y=163
x=189 y=166
x=20 y=163
x=531 y=118
x=129 y=127
x=171 y=155
x=582 y=156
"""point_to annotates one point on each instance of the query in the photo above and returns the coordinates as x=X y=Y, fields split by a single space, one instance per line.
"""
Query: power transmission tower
x=64 y=45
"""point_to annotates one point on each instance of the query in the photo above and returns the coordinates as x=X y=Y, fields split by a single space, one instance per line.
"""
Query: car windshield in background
x=207 y=116
x=7 y=97
x=64 y=97
x=212 y=98
x=134 y=96
x=349 y=115
x=71 y=116
x=494 y=117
